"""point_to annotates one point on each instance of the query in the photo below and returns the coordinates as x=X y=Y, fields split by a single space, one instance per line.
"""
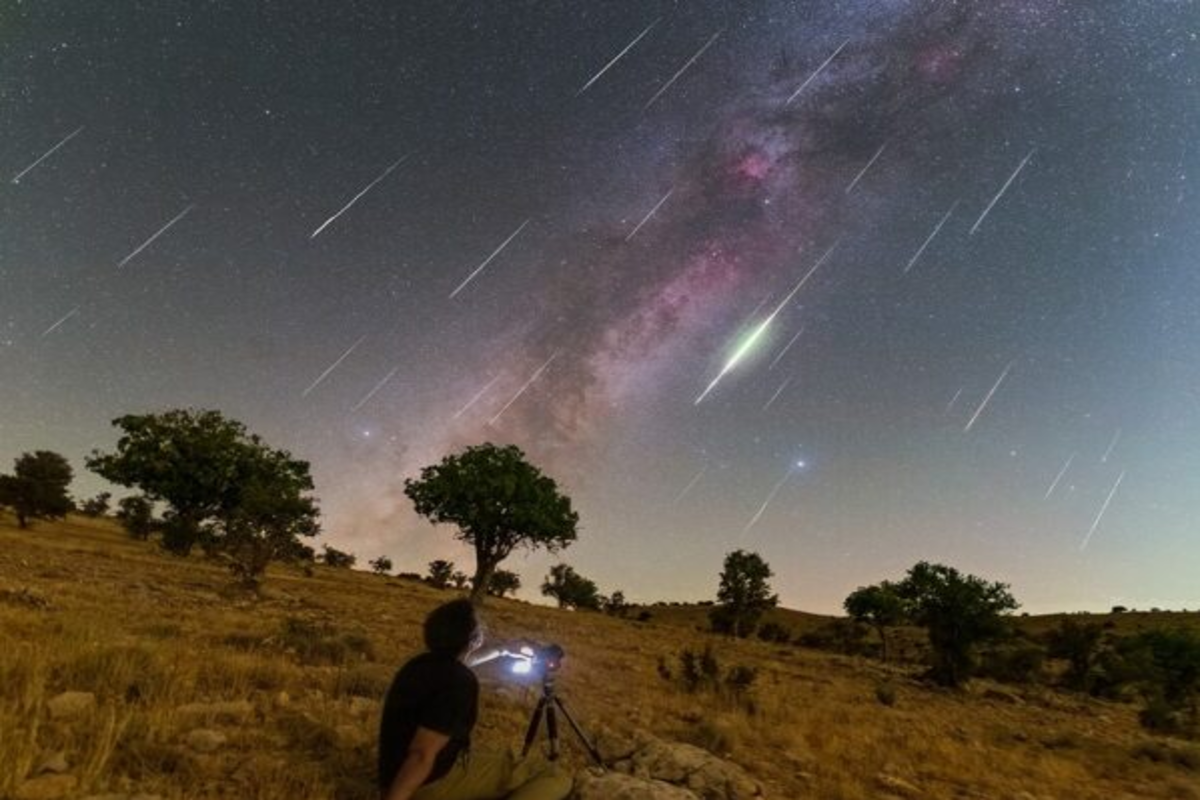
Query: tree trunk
x=883 y=642
x=479 y=584
x=22 y=520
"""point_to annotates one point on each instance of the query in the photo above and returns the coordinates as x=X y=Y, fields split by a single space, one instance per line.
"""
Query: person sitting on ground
x=425 y=748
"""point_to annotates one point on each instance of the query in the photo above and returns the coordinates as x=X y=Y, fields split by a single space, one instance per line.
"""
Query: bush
x=1012 y=662
x=702 y=673
x=841 y=636
x=774 y=632
x=885 y=693
x=320 y=643
x=332 y=557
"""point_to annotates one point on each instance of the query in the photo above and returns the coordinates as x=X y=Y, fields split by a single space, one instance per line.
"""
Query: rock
x=897 y=786
x=205 y=740
x=617 y=786
x=70 y=704
x=55 y=763
x=46 y=787
x=231 y=710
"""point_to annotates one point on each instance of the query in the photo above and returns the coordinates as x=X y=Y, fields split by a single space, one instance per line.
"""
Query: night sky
x=378 y=232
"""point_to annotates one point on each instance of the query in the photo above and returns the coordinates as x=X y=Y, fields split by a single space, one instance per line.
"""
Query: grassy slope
x=148 y=634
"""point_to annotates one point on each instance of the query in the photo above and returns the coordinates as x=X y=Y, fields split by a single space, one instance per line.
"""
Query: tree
x=499 y=502
x=744 y=594
x=1079 y=644
x=96 y=506
x=224 y=487
x=570 y=589
x=615 y=604
x=504 y=582
x=381 y=565
x=878 y=606
x=441 y=572
x=339 y=559
x=460 y=580
x=958 y=611
x=37 y=489
x=136 y=514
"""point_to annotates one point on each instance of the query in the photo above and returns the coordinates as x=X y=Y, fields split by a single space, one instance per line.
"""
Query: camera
x=538 y=659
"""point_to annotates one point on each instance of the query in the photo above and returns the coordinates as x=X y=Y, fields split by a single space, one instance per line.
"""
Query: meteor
x=761 y=328
x=616 y=58
x=1003 y=189
x=682 y=70
x=525 y=386
x=332 y=367
x=47 y=154
x=157 y=234
x=359 y=196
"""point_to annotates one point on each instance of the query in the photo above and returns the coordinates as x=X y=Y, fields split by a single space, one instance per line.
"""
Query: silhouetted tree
x=958 y=612
x=224 y=487
x=381 y=565
x=1079 y=644
x=878 y=606
x=504 y=582
x=615 y=604
x=744 y=594
x=332 y=557
x=136 y=514
x=570 y=589
x=96 y=506
x=499 y=501
x=460 y=579
x=37 y=489
x=441 y=572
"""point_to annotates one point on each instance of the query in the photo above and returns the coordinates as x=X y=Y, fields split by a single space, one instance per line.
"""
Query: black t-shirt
x=431 y=691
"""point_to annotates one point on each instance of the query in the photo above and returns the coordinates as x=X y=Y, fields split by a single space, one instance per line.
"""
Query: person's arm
x=418 y=763
x=486 y=654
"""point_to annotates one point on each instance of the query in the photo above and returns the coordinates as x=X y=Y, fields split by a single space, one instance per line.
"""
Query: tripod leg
x=587 y=743
x=534 y=722
x=552 y=730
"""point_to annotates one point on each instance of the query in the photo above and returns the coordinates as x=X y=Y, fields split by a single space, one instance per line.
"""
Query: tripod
x=547 y=704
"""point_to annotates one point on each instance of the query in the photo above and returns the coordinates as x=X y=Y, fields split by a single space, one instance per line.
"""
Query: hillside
x=290 y=684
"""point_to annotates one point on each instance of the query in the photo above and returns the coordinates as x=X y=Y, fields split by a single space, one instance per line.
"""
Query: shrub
x=332 y=557
x=885 y=693
x=774 y=632
x=1012 y=662
x=841 y=636
x=702 y=673
x=320 y=643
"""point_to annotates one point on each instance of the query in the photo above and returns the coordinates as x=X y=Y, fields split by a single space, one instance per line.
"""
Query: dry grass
x=83 y=608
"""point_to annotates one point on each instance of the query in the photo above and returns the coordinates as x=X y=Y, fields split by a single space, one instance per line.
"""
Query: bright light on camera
x=522 y=667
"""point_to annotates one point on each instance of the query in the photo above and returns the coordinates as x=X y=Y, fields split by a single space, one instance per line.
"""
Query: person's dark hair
x=451 y=627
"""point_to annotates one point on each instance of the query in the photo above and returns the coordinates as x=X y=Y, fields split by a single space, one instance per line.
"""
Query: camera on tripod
x=540 y=660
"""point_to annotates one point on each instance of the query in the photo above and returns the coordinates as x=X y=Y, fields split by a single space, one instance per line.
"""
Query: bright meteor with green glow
x=761 y=328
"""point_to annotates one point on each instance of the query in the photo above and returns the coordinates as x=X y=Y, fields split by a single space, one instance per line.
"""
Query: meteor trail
x=770 y=496
x=757 y=333
x=988 y=398
x=682 y=69
x=356 y=197
x=66 y=317
x=488 y=260
x=378 y=386
x=778 y=392
x=1111 y=446
x=646 y=218
x=816 y=72
x=1059 y=476
x=937 y=228
x=786 y=347
x=690 y=484
x=332 y=367
x=864 y=170
x=953 y=400
x=475 y=399
x=45 y=155
x=525 y=386
x=159 y=233
x=1103 y=508
x=1003 y=189
x=617 y=58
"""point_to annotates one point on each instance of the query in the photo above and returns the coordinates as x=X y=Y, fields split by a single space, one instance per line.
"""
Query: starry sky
x=850 y=283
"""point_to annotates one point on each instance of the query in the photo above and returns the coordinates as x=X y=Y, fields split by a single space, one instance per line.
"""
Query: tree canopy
x=224 y=487
x=879 y=606
x=570 y=589
x=498 y=501
x=37 y=489
x=958 y=612
x=744 y=594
